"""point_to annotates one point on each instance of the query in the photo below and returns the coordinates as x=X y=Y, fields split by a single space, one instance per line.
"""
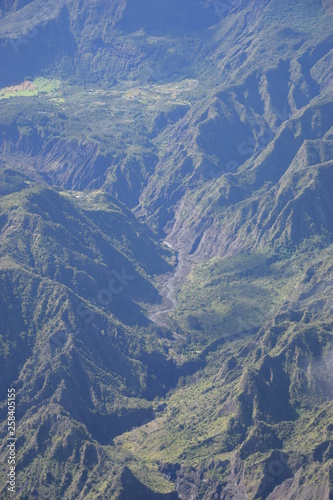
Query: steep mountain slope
x=200 y=366
x=261 y=408
x=74 y=290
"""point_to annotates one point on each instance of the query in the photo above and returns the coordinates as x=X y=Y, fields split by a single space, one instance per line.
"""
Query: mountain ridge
x=166 y=248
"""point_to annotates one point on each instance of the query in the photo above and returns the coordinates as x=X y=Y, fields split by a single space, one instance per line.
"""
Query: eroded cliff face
x=101 y=43
x=33 y=39
x=212 y=153
x=208 y=125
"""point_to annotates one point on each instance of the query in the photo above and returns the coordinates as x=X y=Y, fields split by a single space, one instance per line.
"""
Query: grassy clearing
x=224 y=297
x=30 y=89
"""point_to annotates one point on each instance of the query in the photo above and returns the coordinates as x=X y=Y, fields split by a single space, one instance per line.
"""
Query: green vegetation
x=29 y=89
x=234 y=294
x=166 y=248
